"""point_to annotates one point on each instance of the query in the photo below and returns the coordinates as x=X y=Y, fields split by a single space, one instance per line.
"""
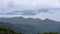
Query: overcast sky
x=9 y=5
x=29 y=4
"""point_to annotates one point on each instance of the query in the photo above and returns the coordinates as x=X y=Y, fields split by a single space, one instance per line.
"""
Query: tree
x=38 y=33
x=45 y=33
x=50 y=33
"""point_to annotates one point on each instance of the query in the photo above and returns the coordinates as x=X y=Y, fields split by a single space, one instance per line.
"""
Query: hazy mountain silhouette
x=31 y=25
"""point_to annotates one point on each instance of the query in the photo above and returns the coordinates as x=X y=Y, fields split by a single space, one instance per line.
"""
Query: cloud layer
x=7 y=6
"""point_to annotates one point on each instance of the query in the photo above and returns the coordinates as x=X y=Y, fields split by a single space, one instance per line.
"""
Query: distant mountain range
x=22 y=24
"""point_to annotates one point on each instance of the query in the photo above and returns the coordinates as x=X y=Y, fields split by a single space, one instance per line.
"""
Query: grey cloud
x=43 y=10
x=10 y=4
x=11 y=13
x=8 y=13
x=28 y=12
x=34 y=12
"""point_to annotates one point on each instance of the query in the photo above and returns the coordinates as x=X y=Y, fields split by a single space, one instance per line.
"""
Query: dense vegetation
x=6 y=30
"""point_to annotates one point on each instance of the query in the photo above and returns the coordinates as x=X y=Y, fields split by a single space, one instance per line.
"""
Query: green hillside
x=6 y=30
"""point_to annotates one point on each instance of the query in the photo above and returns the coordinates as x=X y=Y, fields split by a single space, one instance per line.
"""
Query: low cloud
x=24 y=12
x=7 y=6
x=29 y=13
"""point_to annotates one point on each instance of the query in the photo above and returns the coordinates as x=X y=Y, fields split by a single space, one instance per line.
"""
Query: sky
x=31 y=8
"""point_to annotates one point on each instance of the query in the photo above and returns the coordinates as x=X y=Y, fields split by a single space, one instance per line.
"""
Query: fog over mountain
x=41 y=13
x=25 y=12
x=31 y=8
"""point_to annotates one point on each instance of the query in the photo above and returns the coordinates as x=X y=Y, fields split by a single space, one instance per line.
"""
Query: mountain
x=22 y=24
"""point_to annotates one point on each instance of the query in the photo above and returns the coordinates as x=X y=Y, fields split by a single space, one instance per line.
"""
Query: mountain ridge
x=33 y=25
